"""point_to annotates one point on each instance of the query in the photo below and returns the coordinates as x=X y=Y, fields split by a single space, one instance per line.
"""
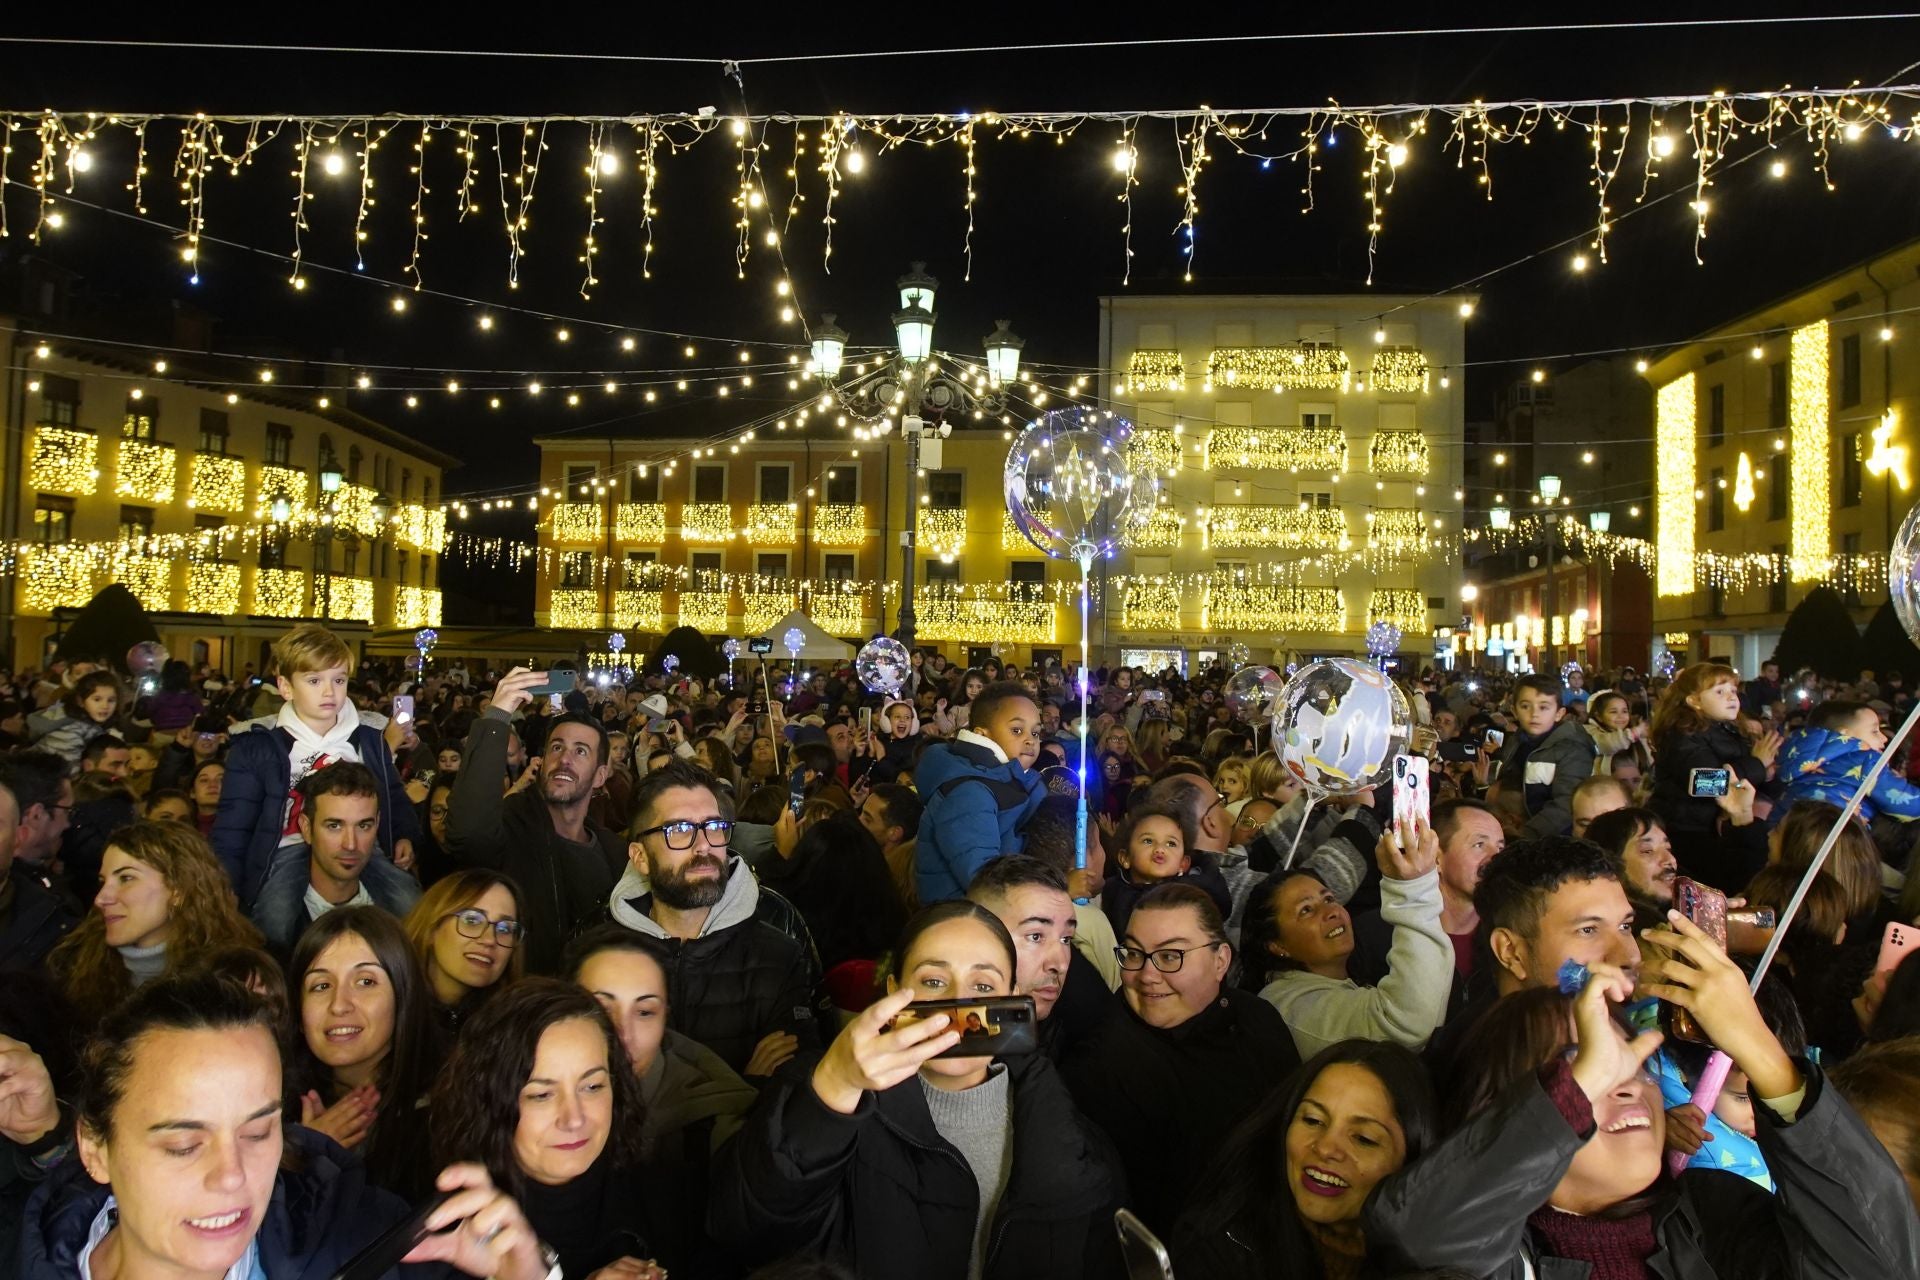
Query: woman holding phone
x=895 y=1159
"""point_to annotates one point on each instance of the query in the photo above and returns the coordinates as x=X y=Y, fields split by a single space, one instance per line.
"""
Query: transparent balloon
x=1252 y=691
x=670 y=662
x=1383 y=638
x=731 y=648
x=1340 y=724
x=1238 y=655
x=1068 y=484
x=795 y=640
x=147 y=657
x=883 y=665
x=1903 y=574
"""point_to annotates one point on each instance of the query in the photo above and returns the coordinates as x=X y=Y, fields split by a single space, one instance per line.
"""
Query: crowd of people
x=619 y=981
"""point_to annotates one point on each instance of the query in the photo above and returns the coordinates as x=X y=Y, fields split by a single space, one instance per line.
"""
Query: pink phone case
x=1894 y=945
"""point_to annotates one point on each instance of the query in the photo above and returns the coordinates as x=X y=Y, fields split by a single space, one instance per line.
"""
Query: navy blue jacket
x=323 y=1211
x=965 y=826
x=253 y=802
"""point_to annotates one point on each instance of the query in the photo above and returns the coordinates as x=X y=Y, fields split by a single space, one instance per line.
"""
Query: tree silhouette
x=1886 y=646
x=1820 y=634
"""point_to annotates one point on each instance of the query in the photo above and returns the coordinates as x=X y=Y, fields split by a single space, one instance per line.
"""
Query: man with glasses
x=39 y=783
x=539 y=835
x=735 y=982
x=339 y=819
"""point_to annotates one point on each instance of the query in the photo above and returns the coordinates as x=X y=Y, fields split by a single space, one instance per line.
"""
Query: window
x=353 y=464
x=576 y=570
x=710 y=482
x=205 y=524
x=776 y=482
x=143 y=412
x=705 y=561
x=1308 y=419
x=838 y=566
x=1716 y=601
x=273 y=547
x=1850 y=371
x=136 y=522
x=1717 y=414
x=1850 y=478
x=426 y=570
x=643 y=486
x=579 y=481
x=1321 y=498
x=1716 y=499
x=426 y=492
x=843 y=485
x=350 y=558
x=1777 y=490
x=1777 y=586
x=52 y=519
x=1777 y=395
x=945 y=492
x=62 y=401
x=279 y=444
x=1850 y=551
x=213 y=431
x=401 y=576
x=771 y=564
x=1033 y=572
x=406 y=483
x=639 y=567
x=943 y=570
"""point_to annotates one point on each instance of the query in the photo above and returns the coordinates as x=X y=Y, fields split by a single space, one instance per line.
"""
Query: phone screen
x=797 y=790
x=403 y=708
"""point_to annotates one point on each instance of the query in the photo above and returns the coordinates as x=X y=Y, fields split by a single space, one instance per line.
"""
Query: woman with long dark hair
x=1351 y=1116
x=539 y=1091
x=364 y=1055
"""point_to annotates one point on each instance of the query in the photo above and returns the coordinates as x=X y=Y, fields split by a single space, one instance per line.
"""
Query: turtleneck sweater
x=144 y=964
x=979 y=1122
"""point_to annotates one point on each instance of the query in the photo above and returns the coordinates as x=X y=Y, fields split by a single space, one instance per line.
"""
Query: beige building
x=1784 y=440
x=206 y=501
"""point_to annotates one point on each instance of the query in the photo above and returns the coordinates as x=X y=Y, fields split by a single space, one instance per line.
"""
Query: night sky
x=1047 y=237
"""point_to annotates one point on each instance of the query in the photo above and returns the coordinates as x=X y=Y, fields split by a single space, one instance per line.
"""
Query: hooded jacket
x=883 y=1191
x=1825 y=764
x=1842 y=1212
x=976 y=807
x=1567 y=752
x=1677 y=755
x=322 y=1212
x=736 y=983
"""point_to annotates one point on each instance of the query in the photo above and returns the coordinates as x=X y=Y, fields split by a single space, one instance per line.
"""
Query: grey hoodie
x=736 y=905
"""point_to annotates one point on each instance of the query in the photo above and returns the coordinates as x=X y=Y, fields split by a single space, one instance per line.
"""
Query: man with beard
x=735 y=983
x=538 y=835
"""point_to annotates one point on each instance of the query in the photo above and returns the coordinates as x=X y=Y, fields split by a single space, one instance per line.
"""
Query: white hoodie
x=312 y=751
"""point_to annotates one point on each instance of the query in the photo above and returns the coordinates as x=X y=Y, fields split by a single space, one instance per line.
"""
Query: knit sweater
x=979 y=1122
x=144 y=964
x=1616 y=1249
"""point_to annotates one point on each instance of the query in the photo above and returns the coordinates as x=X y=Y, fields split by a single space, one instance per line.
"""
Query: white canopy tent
x=819 y=646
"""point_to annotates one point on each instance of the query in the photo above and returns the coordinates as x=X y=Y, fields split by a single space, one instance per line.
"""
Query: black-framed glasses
x=1166 y=959
x=679 y=835
x=474 y=923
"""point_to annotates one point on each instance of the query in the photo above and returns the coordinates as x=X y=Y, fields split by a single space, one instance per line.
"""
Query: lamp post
x=912 y=383
x=1550 y=491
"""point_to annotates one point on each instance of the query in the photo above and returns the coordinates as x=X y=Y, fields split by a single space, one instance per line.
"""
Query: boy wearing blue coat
x=978 y=796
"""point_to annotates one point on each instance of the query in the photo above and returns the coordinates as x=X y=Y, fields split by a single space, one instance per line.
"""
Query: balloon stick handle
x=1706 y=1092
x=1306 y=815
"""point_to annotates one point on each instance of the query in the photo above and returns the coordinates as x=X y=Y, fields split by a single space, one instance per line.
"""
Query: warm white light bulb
x=855 y=162
x=82 y=161
x=609 y=164
x=334 y=163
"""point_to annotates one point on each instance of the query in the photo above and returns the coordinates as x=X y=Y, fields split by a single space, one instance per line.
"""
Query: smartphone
x=866 y=721
x=1495 y=739
x=797 y=789
x=1894 y=945
x=403 y=708
x=1145 y=1257
x=1459 y=752
x=1705 y=784
x=1707 y=908
x=556 y=682
x=383 y=1255
x=760 y=644
x=1411 y=788
x=990 y=1028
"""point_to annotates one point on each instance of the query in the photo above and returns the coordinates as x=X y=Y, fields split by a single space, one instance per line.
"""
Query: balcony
x=1293 y=449
x=349 y=599
x=58 y=576
x=942 y=531
x=147 y=471
x=579 y=523
x=1300 y=528
x=280 y=593
x=1402 y=454
x=838 y=612
x=773 y=524
x=1153 y=451
x=213 y=586
x=706 y=522
x=1242 y=607
x=636 y=609
x=1015 y=614
x=65 y=460
x=573 y=610
x=704 y=610
x=641 y=522
x=761 y=609
x=1150 y=606
x=150 y=578
x=282 y=482
x=416 y=607
x=1160 y=530
x=1399 y=371
x=1156 y=370
x=219 y=484
x=1305 y=366
x=353 y=511
x=422 y=528
x=1398 y=532
x=1401 y=607
x=839 y=525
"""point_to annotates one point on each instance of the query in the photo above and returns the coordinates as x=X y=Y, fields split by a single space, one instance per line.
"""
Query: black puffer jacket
x=736 y=983
x=883 y=1191
x=1842 y=1211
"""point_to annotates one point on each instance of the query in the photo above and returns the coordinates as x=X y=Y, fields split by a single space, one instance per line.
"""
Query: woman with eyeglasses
x=466 y=932
x=1182 y=1058
x=897 y=1161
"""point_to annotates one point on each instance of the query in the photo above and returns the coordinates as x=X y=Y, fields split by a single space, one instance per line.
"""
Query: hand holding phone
x=1145 y=1257
x=1709 y=784
x=403 y=708
x=380 y=1258
x=989 y=1028
x=1706 y=906
x=1894 y=945
x=1412 y=789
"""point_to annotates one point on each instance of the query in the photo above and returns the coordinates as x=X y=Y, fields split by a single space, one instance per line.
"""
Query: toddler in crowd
x=1152 y=847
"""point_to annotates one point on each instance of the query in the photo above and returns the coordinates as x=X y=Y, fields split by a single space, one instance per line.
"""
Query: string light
x=1250 y=607
x=940 y=531
x=839 y=525
x=65 y=460
x=1811 y=500
x=279 y=593
x=1277 y=449
x=1399 y=453
x=1401 y=607
x=1291 y=527
x=1159 y=370
x=706 y=522
x=1148 y=606
x=773 y=524
x=145 y=470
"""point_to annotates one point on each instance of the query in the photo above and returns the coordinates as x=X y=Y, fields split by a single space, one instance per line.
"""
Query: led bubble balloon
x=147 y=657
x=1252 y=691
x=1903 y=574
x=882 y=665
x=1068 y=486
x=1340 y=724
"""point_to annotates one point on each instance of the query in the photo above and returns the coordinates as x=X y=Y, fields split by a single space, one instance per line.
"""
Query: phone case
x=1410 y=788
x=1894 y=945
x=1706 y=906
x=991 y=1028
x=1145 y=1257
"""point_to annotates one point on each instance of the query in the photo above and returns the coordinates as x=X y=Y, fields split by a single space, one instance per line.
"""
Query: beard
x=679 y=890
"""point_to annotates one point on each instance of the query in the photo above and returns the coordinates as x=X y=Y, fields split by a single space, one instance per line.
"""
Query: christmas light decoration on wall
x=1154 y=451
x=150 y=578
x=146 y=471
x=1743 y=482
x=571 y=609
x=761 y=609
x=642 y=522
x=1674 y=516
x=58 y=577
x=704 y=610
x=578 y=522
x=706 y=522
x=213 y=586
x=1398 y=531
x=1401 y=607
x=289 y=483
x=1292 y=449
x=1320 y=366
x=1292 y=527
x=1811 y=436
x=65 y=460
x=349 y=599
x=353 y=510
x=839 y=525
x=1158 y=532
x=638 y=609
x=1249 y=607
x=416 y=607
x=839 y=613
x=1147 y=606
x=1155 y=370
x=942 y=531
x=219 y=484
x=280 y=593
x=1013 y=613
x=1398 y=371
x=774 y=524
x=1011 y=539
x=1399 y=454
x=420 y=527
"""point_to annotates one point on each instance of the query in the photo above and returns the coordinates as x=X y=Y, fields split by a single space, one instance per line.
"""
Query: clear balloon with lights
x=147 y=657
x=731 y=648
x=882 y=665
x=1252 y=691
x=1338 y=727
x=1903 y=574
x=1072 y=492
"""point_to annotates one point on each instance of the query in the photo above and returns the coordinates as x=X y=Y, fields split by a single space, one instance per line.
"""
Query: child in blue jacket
x=978 y=796
x=1837 y=749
